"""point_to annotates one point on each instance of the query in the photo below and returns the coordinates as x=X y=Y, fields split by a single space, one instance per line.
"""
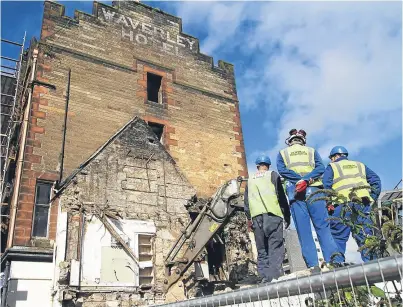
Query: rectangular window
x=146 y=275
x=158 y=129
x=154 y=91
x=42 y=205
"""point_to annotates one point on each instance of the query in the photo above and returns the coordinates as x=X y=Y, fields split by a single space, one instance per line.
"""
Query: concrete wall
x=30 y=284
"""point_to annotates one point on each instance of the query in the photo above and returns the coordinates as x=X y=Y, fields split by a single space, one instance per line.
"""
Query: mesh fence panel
x=376 y=283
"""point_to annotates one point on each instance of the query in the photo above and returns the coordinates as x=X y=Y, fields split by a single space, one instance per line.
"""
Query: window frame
x=162 y=140
x=150 y=262
x=38 y=182
x=161 y=92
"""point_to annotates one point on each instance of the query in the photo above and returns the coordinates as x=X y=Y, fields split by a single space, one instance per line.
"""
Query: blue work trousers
x=341 y=232
x=268 y=231
x=303 y=213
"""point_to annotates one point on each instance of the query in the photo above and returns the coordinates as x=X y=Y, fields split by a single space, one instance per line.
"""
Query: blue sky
x=333 y=69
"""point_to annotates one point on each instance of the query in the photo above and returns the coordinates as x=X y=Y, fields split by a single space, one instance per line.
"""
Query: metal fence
x=376 y=283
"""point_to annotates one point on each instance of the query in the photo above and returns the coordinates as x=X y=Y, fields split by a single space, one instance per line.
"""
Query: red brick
x=39 y=114
x=19 y=232
x=170 y=102
x=29 y=149
x=169 y=129
x=48 y=176
x=24 y=215
x=236 y=129
x=53 y=218
x=33 y=158
x=31 y=135
x=37 y=129
x=28 y=174
x=141 y=94
x=239 y=149
x=40 y=78
x=43 y=102
x=26 y=206
x=24 y=223
x=153 y=119
x=23 y=240
x=27 y=190
x=172 y=142
x=27 y=198
x=243 y=173
x=143 y=83
x=45 y=67
x=41 y=90
x=154 y=71
x=52 y=235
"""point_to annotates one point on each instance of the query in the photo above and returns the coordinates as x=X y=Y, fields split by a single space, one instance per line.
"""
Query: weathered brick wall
x=109 y=54
x=141 y=181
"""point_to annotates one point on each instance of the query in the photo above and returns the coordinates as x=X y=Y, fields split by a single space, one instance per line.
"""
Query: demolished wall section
x=134 y=179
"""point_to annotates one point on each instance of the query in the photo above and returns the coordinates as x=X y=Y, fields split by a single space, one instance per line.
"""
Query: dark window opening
x=158 y=129
x=154 y=91
x=42 y=205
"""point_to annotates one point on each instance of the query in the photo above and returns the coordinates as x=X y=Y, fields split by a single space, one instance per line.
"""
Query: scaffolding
x=10 y=73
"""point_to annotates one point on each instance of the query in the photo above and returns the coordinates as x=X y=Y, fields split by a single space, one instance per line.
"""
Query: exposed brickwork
x=109 y=67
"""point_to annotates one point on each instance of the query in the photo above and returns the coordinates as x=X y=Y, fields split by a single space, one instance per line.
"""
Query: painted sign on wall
x=143 y=33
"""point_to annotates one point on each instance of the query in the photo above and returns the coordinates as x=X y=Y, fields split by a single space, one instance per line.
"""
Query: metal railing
x=376 y=283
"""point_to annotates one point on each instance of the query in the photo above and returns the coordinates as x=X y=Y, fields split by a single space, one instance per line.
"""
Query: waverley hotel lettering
x=143 y=34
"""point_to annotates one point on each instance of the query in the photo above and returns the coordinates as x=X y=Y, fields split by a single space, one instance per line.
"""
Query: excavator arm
x=213 y=216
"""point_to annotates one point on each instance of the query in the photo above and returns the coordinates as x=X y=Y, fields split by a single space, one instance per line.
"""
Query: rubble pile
x=241 y=264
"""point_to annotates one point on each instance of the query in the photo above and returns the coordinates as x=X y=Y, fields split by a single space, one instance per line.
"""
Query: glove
x=301 y=186
x=286 y=224
x=330 y=208
x=250 y=225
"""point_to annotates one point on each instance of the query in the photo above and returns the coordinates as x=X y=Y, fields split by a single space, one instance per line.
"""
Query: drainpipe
x=65 y=127
x=21 y=152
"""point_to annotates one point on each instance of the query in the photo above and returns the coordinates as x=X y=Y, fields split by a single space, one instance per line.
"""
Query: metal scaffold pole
x=10 y=84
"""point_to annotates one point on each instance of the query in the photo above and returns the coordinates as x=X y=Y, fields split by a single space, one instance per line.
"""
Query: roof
x=389 y=196
x=136 y=134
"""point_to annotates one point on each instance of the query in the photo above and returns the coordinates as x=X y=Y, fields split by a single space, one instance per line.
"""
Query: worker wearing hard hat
x=342 y=175
x=301 y=167
x=267 y=210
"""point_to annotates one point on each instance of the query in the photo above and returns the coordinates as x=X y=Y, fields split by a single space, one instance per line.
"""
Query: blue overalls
x=304 y=212
x=340 y=231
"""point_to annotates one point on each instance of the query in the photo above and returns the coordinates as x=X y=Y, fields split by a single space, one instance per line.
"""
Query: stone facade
x=111 y=54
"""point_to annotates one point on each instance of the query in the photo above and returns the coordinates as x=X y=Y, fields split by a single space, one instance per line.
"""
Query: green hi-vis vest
x=347 y=175
x=300 y=159
x=262 y=195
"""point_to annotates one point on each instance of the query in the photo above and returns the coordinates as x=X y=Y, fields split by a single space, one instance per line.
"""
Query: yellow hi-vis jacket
x=347 y=175
x=262 y=195
x=300 y=159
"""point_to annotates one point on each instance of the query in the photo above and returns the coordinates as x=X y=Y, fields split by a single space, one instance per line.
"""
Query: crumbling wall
x=132 y=178
x=239 y=263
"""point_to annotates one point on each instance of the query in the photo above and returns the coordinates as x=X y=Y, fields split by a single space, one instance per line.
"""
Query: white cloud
x=331 y=68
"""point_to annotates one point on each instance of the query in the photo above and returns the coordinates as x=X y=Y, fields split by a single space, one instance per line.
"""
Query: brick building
x=114 y=76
